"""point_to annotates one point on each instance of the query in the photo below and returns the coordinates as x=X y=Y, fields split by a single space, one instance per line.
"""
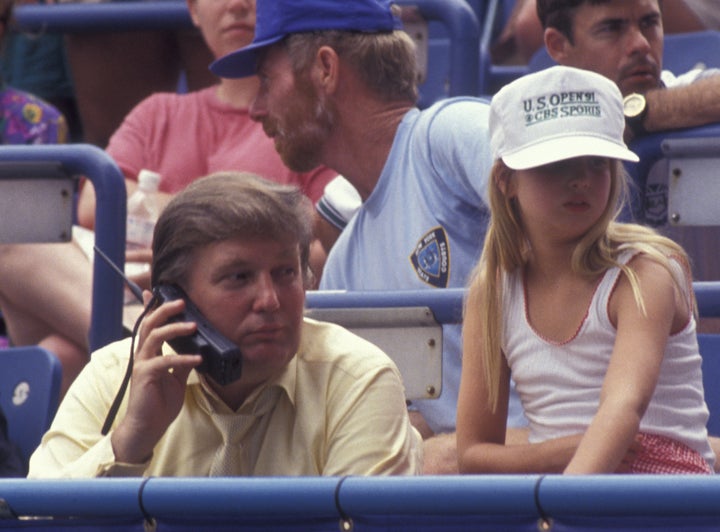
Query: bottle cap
x=148 y=180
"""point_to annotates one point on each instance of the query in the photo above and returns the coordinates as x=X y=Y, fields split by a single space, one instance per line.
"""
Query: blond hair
x=506 y=249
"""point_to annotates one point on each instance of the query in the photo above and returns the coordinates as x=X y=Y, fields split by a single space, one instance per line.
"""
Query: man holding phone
x=312 y=399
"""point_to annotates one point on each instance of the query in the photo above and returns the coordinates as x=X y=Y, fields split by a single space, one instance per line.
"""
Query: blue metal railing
x=471 y=502
x=109 y=183
x=447 y=304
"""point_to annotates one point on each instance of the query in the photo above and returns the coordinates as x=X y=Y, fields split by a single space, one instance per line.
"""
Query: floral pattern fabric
x=26 y=119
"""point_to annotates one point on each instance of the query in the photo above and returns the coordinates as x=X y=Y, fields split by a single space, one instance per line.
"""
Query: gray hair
x=386 y=62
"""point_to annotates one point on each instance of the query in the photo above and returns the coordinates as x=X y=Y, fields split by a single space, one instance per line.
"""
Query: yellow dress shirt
x=338 y=409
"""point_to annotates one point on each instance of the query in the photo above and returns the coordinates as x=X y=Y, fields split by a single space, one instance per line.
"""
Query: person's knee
x=12 y=256
x=72 y=356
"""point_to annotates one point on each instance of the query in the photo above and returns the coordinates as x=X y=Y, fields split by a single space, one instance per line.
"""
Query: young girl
x=593 y=317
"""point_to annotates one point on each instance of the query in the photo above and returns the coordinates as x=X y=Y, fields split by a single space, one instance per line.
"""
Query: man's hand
x=440 y=455
x=439 y=450
x=157 y=389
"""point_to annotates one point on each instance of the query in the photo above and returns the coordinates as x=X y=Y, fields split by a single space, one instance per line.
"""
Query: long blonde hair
x=506 y=249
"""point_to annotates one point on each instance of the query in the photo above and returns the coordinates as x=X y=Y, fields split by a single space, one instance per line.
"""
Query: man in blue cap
x=338 y=87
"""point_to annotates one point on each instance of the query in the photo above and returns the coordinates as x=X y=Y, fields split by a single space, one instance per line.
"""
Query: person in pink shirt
x=45 y=292
x=152 y=127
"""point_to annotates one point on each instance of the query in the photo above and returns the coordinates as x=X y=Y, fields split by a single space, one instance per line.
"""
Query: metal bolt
x=544 y=525
x=430 y=390
x=675 y=217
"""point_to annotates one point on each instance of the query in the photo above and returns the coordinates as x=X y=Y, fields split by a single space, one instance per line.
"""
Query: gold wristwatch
x=635 y=109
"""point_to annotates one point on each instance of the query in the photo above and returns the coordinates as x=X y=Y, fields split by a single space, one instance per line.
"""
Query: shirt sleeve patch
x=431 y=258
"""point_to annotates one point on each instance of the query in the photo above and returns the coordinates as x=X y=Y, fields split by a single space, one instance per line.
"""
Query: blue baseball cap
x=276 y=19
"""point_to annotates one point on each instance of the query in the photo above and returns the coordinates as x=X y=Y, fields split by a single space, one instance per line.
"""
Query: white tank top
x=559 y=384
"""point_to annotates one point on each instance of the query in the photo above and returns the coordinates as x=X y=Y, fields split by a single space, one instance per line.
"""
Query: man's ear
x=557 y=45
x=326 y=69
x=192 y=9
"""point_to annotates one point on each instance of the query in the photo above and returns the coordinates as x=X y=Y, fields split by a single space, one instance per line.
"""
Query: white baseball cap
x=555 y=114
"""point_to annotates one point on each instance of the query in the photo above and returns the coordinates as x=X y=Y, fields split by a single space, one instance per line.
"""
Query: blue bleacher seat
x=710 y=351
x=708 y=300
x=685 y=146
x=453 y=49
x=479 y=7
x=685 y=51
x=29 y=393
x=30 y=377
x=493 y=76
x=540 y=60
x=405 y=324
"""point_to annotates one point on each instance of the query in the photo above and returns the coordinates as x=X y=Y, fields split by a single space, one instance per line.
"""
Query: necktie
x=240 y=430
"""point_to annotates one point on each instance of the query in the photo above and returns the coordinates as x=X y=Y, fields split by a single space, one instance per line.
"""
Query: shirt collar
x=285 y=381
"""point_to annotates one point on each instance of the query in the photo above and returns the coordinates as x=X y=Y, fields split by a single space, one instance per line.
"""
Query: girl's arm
x=634 y=365
x=481 y=433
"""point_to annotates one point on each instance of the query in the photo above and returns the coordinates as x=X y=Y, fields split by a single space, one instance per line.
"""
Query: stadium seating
x=540 y=60
x=41 y=180
x=685 y=51
x=690 y=153
x=452 y=49
x=710 y=351
x=447 y=503
x=452 y=45
x=74 y=160
x=29 y=393
x=402 y=331
x=479 y=7
x=708 y=300
x=407 y=325
x=494 y=76
x=36 y=183
x=689 y=156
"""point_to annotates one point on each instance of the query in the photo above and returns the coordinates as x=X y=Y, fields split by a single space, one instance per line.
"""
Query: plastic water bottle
x=142 y=213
